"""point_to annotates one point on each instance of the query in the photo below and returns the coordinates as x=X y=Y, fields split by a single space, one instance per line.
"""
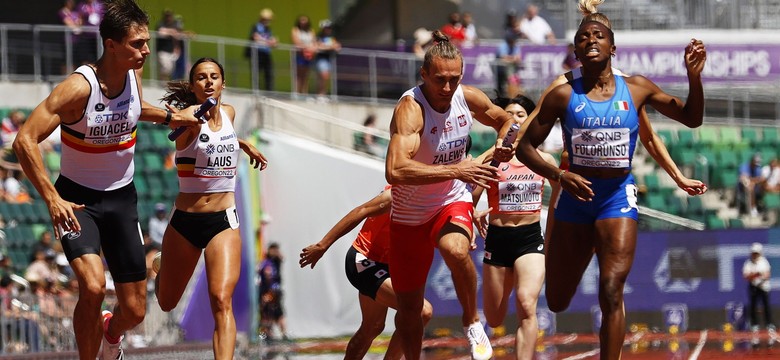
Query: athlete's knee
x=555 y=301
x=526 y=304
x=371 y=329
x=456 y=253
x=494 y=319
x=427 y=313
x=92 y=291
x=611 y=292
x=135 y=313
x=222 y=301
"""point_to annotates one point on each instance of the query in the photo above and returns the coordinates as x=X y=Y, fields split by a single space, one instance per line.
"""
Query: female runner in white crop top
x=205 y=218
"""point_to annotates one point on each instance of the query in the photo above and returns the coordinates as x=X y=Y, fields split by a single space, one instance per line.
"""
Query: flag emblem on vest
x=620 y=105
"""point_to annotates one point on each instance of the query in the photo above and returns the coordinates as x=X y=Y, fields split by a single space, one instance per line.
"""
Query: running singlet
x=373 y=240
x=519 y=191
x=601 y=134
x=209 y=163
x=98 y=149
x=442 y=142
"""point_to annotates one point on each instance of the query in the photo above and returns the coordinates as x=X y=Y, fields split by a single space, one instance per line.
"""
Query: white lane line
x=699 y=346
x=583 y=355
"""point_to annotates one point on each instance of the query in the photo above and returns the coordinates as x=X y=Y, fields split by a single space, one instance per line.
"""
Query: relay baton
x=206 y=106
x=509 y=139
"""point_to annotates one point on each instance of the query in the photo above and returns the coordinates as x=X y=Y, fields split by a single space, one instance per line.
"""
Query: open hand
x=695 y=56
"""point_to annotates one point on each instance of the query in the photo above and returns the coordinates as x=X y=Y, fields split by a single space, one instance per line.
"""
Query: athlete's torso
x=442 y=142
x=518 y=192
x=209 y=164
x=98 y=149
x=601 y=134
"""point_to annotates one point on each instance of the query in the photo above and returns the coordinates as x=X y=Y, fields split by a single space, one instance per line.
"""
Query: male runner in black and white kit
x=93 y=204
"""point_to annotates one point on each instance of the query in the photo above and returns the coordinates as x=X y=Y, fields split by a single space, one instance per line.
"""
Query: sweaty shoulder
x=229 y=110
x=69 y=98
x=407 y=116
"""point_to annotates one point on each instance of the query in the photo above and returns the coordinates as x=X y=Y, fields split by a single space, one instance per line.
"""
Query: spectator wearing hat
x=327 y=48
x=263 y=41
x=423 y=39
x=756 y=271
x=750 y=188
x=43 y=269
x=169 y=34
x=157 y=225
x=45 y=242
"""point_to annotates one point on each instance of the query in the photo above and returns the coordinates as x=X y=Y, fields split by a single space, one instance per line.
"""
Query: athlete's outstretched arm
x=491 y=115
x=691 y=112
x=656 y=148
x=376 y=206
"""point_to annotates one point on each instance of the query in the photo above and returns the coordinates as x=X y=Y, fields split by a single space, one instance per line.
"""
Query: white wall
x=306 y=189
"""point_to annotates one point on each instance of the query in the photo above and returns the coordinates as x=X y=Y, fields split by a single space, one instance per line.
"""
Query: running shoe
x=156 y=262
x=478 y=342
x=110 y=351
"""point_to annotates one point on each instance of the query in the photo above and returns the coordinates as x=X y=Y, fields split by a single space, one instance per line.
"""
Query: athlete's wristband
x=168 y=115
x=559 y=176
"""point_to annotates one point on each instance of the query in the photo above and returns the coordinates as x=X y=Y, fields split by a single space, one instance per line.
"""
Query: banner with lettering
x=663 y=64
x=702 y=269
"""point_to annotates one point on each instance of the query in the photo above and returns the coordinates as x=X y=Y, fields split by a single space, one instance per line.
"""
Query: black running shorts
x=504 y=245
x=109 y=222
x=364 y=274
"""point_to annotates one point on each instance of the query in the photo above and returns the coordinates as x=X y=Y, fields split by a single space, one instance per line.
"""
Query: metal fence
x=44 y=323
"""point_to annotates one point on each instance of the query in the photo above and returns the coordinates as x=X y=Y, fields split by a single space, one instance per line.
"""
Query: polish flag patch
x=620 y=105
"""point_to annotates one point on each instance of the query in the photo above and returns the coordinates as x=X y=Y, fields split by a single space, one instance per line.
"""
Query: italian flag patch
x=620 y=105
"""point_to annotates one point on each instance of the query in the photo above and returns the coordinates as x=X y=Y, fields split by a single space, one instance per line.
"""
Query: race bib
x=363 y=263
x=520 y=196
x=232 y=217
x=603 y=148
x=216 y=160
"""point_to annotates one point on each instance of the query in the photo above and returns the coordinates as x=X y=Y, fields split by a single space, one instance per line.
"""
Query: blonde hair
x=590 y=13
x=442 y=48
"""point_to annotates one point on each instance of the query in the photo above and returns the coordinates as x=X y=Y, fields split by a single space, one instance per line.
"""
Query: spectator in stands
x=11 y=125
x=168 y=44
x=305 y=40
x=264 y=41
x=570 y=61
x=367 y=142
x=772 y=174
x=71 y=18
x=180 y=67
x=750 y=188
x=454 y=29
x=757 y=272
x=42 y=268
x=270 y=292
x=509 y=61
x=469 y=29
x=91 y=12
x=327 y=48
x=6 y=265
x=422 y=41
x=535 y=28
x=157 y=224
x=15 y=191
x=44 y=244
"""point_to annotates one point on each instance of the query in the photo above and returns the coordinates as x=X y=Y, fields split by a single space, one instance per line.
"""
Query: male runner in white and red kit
x=93 y=202
x=428 y=168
